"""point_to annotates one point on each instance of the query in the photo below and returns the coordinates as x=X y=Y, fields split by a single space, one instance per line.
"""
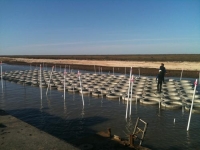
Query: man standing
x=162 y=68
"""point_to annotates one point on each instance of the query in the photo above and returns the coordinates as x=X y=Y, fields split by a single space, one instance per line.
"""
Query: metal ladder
x=138 y=133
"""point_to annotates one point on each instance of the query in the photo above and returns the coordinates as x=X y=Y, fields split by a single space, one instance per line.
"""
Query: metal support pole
x=128 y=92
x=1 y=76
x=181 y=74
x=188 y=126
x=64 y=83
x=49 y=80
x=131 y=140
x=40 y=81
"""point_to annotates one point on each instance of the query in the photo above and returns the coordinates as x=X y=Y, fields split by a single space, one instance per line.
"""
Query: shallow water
x=68 y=119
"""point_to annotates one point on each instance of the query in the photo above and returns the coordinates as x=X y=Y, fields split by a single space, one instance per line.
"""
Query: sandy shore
x=192 y=66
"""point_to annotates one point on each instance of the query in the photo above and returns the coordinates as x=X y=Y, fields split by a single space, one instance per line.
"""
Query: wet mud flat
x=18 y=135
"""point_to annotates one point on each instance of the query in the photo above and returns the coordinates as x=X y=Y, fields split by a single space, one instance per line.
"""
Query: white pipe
x=199 y=77
x=128 y=92
x=181 y=74
x=64 y=83
x=131 y=94
x=139 y=72
x=49 y=80
x=40 y=81
x=1 y=76
x=79 y=76
x=195 y=83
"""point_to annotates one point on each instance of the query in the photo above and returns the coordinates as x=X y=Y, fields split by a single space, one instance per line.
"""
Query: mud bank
x=190 y=69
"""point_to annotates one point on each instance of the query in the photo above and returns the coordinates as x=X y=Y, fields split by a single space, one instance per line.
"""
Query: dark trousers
x=163 y=78
x=159 y=86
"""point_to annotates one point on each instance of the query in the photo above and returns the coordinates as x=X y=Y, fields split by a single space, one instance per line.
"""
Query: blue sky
x=81 y=27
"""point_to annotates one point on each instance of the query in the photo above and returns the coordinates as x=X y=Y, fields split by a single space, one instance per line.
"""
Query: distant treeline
x=147 y=57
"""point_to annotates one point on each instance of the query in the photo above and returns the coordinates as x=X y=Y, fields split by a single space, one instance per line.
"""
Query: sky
x=99 y=27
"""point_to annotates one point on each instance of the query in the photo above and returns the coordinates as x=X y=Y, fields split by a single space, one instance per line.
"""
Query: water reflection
x=65 y=108
x=129 y=127
x=24 y=92
x=82 y=112
x=89 y=100
x=41 y=105
x=48 y=102
x=188 y=138
x=183 y=109
x=40 y=88
x=2 y=86
x=73 y=96
x=158 y=112
x=3 y=94
x=102 y=101
x=2 y=102
x=136 y=108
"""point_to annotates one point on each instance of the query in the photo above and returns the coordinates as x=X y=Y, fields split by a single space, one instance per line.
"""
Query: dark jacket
x=163 y=70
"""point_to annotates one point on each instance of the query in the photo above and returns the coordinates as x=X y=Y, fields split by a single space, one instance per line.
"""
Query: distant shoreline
x=118 y=57
x=191 y=69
